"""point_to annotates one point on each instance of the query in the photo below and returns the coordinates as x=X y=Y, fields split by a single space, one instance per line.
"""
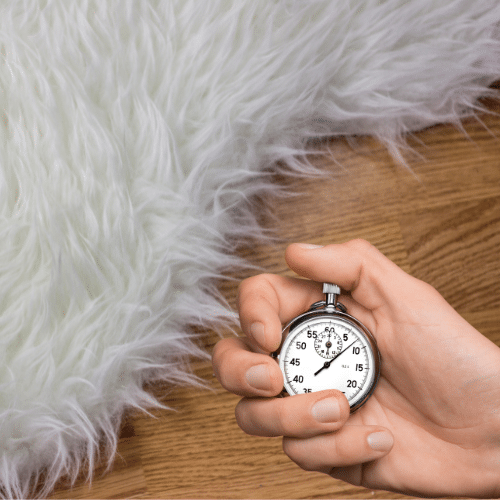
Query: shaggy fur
x=133 y=135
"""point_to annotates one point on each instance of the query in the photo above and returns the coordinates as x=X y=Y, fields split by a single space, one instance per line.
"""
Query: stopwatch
x=326 y=348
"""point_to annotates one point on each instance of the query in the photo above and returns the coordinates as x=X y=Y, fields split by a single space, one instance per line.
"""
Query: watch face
x=330 y=351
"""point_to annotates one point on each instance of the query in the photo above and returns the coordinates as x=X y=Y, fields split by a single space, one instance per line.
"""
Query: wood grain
x=438 y=220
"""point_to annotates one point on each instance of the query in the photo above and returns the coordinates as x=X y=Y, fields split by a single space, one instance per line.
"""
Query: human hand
x=432 y=425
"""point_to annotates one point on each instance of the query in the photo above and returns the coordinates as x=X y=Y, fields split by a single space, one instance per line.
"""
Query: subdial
x=328 y=344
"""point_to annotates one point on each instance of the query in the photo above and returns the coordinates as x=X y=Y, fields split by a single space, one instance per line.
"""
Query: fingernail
x=380 y=441
x=309 y=246
x=258 y=377
x=258 y=333
x=326 y=410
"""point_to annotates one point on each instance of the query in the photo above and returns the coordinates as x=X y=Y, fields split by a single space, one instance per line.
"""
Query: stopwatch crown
x=331 y=291
x=331 y=288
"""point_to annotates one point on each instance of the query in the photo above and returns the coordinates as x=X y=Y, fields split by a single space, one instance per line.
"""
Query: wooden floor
x=440 y=222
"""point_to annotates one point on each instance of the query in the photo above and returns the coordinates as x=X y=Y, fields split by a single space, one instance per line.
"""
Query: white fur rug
x=133 y=134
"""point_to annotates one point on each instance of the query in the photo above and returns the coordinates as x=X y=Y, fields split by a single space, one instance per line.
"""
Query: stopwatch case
x=319 y=310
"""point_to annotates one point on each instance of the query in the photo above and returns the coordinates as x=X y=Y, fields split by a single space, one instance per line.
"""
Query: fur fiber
x=133 y=136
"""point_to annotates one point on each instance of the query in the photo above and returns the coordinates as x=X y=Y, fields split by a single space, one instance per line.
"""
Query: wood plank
x=454 y=247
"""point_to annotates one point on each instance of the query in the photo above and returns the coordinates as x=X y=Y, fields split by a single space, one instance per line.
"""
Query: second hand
x=328 y=363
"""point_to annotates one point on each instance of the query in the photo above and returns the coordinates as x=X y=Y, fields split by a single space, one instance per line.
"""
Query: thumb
x=356 y=266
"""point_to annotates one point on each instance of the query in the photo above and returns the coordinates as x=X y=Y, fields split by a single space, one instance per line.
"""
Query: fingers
x=302 y=415
x=351 y=445
x=267 y=301
x=243 y=372
x=264 y=302
x=356 y=266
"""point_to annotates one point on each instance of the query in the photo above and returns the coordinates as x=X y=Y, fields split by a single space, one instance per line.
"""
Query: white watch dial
x=329 y=352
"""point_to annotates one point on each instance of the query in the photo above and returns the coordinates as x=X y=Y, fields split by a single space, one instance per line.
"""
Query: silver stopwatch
x=326 y=348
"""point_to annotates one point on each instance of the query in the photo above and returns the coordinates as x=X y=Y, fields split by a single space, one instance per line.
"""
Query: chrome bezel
x=336 y=314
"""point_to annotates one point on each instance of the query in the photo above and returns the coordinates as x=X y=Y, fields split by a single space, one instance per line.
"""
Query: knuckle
x=294 y=450
x=225 y=379
x=216 y=364
x=338 y=451
x=428 y=289
x=240 y=413
x=249 y=286
x=218 y=354
x=254 y=283
x=275 y=379
x=244 y=285
x=361 y=246
x=216 y=351
x=290 y=449
x=423 y=289
x=261 y=286
x=282 y=419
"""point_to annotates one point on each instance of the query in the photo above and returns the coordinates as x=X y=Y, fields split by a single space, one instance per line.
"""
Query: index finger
x=267 y=301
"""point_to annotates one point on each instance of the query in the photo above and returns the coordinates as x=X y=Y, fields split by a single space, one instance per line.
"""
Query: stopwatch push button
x=331 y=288
x=331 y=292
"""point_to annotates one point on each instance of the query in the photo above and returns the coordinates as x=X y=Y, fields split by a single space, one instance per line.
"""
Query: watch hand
x=328 y=363
x=328 y=345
